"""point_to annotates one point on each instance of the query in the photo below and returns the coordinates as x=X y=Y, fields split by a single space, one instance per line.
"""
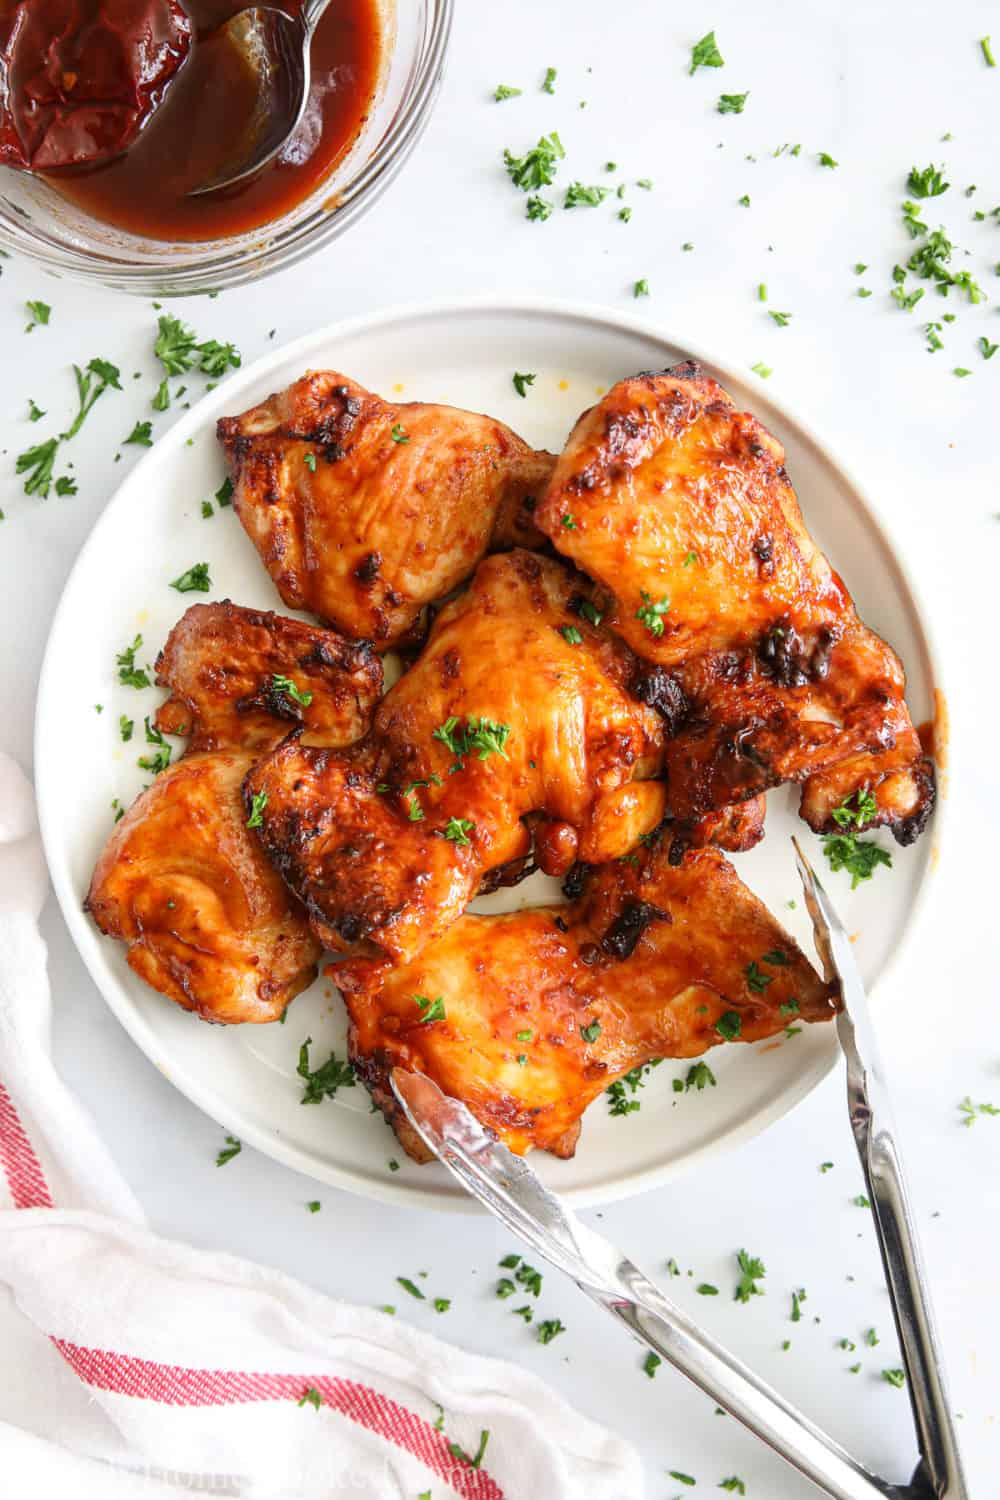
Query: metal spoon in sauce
x=274 y=48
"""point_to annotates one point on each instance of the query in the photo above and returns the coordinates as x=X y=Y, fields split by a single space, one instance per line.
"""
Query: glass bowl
x=38 y=222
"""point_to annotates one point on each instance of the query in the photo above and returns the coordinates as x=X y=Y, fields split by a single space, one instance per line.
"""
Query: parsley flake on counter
x=751 y=1271
x=538 y=166
x=195 y=581
x=141 y=434
x=681 y=1478
x=706 y=1289
x=580 y=196
x=895 y=1378
x=442 y=1304
x=961 y=372
x=764 y=371
x=744 y=202
x=729 y=1025
x=129 y=675
x=37 y=462
x=826 y=1166
x=987 y=51
x=986 y=349
x=928 y=183
x=232 y=1148
x=782 y=319
x=324 y=1081
x=970 y=1111
x=257 y=806
x=625 y=214
x=311 y=1397
x=161 y=401
x=705 y=54
x=549 y=1329
x=539 y=208
x=934 y=342
x=207 y=510
x=651 y=614
x=797 y=1300
x=826 y=160
x=735 y=1484
x=39 y=313
x=521 y=383
x=548 y=82
x=433 y=1010
x=125 y=728
x=504 y=91
x=505 y=1287
x=457 y=831
x=641 y=288
x=314 y=1206
x=35 y=413
x=651 y=1364
x=178 y=350
x=732 y=104
x=861 y=1201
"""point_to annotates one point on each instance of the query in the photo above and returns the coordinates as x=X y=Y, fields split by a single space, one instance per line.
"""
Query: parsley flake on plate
x=826 y=160
x=324 y=1081
x=729 y=1025
x=548 y=82
x=141 y=434
x=764 y=371
x=705 y=54
x=129 y=675
x=751 y=1271
x=987 y=51
x=538 y=166
x=521 y=383
x=539 y=208
x=504 y=91
x=641 y=288
x=781 y=318
x=580 y=196
x=651 y=1364
x=970 y=1111
x=232 y=1148
x=39 y=313
x=549 y=1329
x=195 y=581
x=732 y=104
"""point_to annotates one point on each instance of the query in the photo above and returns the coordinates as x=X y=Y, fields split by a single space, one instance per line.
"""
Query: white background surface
x=878 y=91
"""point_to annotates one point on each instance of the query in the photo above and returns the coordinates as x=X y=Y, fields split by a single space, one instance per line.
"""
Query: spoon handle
x=312 y=13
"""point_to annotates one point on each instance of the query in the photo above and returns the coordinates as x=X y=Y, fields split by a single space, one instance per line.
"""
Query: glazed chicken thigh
x=528 y=1017
x=679 y=505
x=517 y=705
x=183 y=880
x=365 y=510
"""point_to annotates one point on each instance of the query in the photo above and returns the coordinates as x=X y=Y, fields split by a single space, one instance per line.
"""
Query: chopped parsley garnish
x=861 y=1201
x=986 y=349
x=125 y=728
x=538 y=166
x=37 y=462
x=521 y=383
x=539 y=208
x=729 y=1025
x=588 y=610
x=970 y=1110
x=486 y=736
x=826 y=160
x=129 y=675
x=934 y=343
x=961 y=372
x=90 y=386
x=232 y=1148
x=161 y=760
x=789 y=1008
x=207 y=510
x=764 y=371
x=859 y=857
x=309 y=459
x=524 y=1312
x=457 y=830
x=287 y=686
x=782 y=319
x=549 y=1329
x=651 y=614
x=751 y=1271
x=987 y=51
x=458 y=1452
x=681 y=1478
x=732 y=104
x=895 y=1378
x=214 y=359
x=433 y=1010
x=141 y=434
x=524 y=1036
x=705 y=54
x=625 y=214
x=35 y=413
x=706 y=1289
x=651 y=1364
x=548 y=82
x=398 y=434
x=699 y=1076
x=846 y=1344
x=797 y=1300
x=504 y=91
x=735 y=1484
x=178 y=350
x=871 y=1338
x=224 y=494
x=826 y=1166
x=310 y=1396
x=744 y=202
x=567 y=522
x=756 y=980
x=442 y=1304
x=314 y=1206
x=570 y=635
x=641 y=288
x=578 y=195
x=39 y=313
x=161 y=401
x=634 y=1079
x=864 y=809
x=256 y=808
x=592 y=1032
x=928 y=183
x=505 y=1287
x=324 y=1081
x=195 y=581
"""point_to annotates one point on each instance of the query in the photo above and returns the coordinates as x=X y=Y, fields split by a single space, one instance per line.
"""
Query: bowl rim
x=220 y=268
x=629 y=1182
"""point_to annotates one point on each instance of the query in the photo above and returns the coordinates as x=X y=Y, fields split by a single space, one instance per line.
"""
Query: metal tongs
x=509 y=1188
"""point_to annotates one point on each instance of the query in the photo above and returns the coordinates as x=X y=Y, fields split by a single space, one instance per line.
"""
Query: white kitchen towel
x=134 y=1366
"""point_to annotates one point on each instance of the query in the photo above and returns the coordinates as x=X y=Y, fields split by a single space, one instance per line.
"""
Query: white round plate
x=244 y=1076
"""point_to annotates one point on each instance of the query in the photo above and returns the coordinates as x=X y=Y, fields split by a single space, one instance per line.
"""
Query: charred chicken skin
x=517 y=705
x=527 y=1017
x=364 y=510
x=183 y=880
x=680 y=507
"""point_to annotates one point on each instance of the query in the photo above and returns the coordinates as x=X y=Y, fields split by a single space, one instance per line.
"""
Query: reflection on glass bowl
x=39 y=222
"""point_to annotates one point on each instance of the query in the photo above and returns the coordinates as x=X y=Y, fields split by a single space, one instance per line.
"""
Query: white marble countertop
x=880 y=89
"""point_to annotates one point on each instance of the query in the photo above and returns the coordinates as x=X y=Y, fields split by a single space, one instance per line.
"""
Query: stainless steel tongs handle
x=939 y=1473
